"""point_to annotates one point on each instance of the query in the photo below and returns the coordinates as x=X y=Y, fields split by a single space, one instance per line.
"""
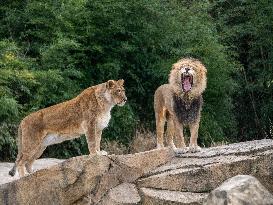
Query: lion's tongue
x=186 y=84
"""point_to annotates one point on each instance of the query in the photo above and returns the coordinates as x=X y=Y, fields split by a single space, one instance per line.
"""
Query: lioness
x=88 y=113
x=180 y=103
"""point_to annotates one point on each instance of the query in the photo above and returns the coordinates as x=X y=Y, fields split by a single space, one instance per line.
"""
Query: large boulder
x=60 y=184
x=81 y=180
x=152 y=177
x=206 y=170
x=240 y=190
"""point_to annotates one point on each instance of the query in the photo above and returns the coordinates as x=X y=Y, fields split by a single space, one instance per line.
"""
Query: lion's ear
x=110 y=84
x=175 y=66
x=121 y=82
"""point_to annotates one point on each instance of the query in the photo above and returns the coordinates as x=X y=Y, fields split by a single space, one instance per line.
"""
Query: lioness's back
x=64 y=113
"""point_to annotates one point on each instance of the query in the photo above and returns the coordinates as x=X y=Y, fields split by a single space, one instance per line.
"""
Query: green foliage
x=246 y=27
x=122 y=124
x=8 y=145
x=8 y=108
x=60 y=54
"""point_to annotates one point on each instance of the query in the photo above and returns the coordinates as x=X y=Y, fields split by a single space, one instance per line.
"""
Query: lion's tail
x=19 y=155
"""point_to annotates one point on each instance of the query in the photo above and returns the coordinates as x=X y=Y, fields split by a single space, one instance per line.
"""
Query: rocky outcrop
x=153 y=177
x=81 y=180
x=206 y=170
x=240 y=190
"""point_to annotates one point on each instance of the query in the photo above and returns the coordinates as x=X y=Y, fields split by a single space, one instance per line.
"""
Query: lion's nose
x=125 y=99
x=187 y=70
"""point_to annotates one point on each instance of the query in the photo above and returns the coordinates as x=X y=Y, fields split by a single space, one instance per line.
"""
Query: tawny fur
x=88 y=113
x=168 y=96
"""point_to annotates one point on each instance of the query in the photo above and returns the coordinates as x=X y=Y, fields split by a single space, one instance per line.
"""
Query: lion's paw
x=172 y=145
x=159 y=146
x=102 y=152
x=194 y=148
x=181 y=150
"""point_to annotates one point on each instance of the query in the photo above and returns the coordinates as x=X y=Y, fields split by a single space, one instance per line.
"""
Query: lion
x=88 y=113
x=180 y=103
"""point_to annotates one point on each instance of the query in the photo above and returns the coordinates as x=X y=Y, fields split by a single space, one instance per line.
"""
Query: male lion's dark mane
x=187 y=111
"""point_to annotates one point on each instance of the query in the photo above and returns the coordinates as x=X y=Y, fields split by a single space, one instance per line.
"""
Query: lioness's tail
x=13 y=170
x=19 y=155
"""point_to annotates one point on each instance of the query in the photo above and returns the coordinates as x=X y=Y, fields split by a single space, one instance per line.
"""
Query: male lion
x=88 y=113
x=180 y=103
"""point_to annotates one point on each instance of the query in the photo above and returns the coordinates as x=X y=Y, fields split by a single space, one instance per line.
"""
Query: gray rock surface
x=125 y=193
x=206 y=170
x=156 y=176
x=162 y=197
x=240 y=190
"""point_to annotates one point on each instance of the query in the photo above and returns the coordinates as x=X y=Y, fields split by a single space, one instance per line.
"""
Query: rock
x=123 y=194
x=63 y=183
x=128 y=168
x=240 y=190
x=162 y=197
x=157 y=176
x=143 y=162
x=204 y=171
x=81 y=180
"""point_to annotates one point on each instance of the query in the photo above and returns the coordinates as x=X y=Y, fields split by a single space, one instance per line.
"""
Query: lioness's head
x=189 y=76
x=116 y=92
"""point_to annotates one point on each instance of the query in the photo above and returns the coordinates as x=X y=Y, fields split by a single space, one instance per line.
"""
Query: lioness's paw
x=194 y=148
x=102 y=152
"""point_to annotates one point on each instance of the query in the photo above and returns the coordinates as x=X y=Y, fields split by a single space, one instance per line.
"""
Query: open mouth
x=186 y=81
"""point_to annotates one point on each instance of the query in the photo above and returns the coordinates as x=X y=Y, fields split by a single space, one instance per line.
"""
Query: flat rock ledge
x=152 y=177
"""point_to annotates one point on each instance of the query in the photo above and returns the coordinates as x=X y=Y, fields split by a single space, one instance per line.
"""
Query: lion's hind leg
x=170 y=132
x=160 y=123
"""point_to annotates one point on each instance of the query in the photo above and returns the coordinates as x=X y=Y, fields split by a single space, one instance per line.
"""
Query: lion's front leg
x=170 y=133
x=160 y=122
x=193 y=146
